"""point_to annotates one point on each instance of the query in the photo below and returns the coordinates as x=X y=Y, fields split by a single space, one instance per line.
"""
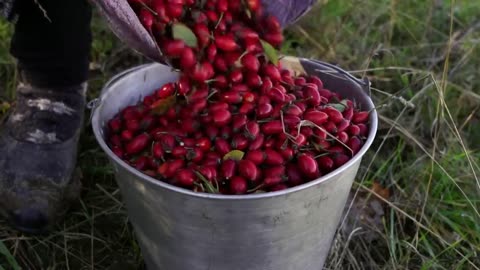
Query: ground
x=416 y=197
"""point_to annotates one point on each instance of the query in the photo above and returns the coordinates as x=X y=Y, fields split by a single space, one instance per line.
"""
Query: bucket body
x=178 y=229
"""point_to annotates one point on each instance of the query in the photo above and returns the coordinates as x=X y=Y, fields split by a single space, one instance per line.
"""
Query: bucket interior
x=133 y=85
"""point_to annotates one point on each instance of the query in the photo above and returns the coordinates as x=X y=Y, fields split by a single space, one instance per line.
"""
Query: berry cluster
x=235 y=122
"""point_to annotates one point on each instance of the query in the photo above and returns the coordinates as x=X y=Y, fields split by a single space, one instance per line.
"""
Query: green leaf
x=161 y=106
x=182 y=32
x=10 y=259
x=209 y=187
x=270 y=52
x=235 y=155
x=341 y=106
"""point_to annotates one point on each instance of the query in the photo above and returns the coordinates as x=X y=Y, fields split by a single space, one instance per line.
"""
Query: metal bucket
x=178 y=229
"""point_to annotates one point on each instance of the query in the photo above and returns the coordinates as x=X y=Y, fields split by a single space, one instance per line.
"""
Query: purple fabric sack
x=125 y=24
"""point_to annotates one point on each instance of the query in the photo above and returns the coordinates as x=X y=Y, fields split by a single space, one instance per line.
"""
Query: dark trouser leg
x=53 y=51
x=38 y=140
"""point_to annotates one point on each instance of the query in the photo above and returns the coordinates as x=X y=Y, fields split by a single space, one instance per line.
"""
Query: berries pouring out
x=235 y=122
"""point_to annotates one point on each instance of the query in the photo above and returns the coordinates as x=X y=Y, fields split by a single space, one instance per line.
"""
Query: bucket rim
x=97 y=126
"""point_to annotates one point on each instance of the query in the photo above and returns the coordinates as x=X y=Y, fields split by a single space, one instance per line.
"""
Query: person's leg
x=38 y=140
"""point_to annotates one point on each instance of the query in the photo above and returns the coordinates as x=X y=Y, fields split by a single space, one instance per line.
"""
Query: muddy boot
x=38 y=146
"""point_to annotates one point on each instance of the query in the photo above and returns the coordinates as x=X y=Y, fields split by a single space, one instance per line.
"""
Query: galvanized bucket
x=178 y=229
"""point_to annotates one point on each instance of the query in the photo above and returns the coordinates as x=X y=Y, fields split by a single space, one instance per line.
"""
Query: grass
x=415 y=202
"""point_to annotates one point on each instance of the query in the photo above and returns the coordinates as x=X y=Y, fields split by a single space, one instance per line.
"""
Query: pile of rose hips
x=235 y=122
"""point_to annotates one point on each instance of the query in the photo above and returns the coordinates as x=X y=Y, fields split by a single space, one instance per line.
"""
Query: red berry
x=340 y=159
x=315 y=80
x=146 y=17
x=325 y=163
x=360 y=117
x=239 y=142
x=212 y=16
x=256 y=156
x=246 y=108
x=186 y=177
x=343 y=125
x=115 y=140
x=222 y=6
x=226 y=43
x=272 y=181
x=188 y=59
x=273 y=157
x=274 y=171
x=118 y=151
x=221 y=117
x=204 y=144
x=115 y=125
x=355 y=144
x=316 y=117
x=222 y=146
x=236 y=76
x=272 y=127
x=295 y=178
x=231 y=97
x=229 y=168
x=252 y=129
x=253 y=5
x=174 y=10
x=276 y=95
x=287 y=153
x=211 y=51
x=354 y=130
x=293 y=110
x=264 y=110
x=334 y=115
x=363 y=129
x=272 y=71
x=238 y=185
x=202 y=32
x=257 y=142
x=250 y=62
x=343 y=137
x=248 y=170
x=312 y=95
x=157 y=150
x=348 y=113
x=173 y=48
x=179 y=151
x=132 y=125
x=272 y=24
x=138 y=144
x=202 y=72
x=165 y=91
x=238 y=122
x=253 y=80
x=276 y=39
x=307 y=165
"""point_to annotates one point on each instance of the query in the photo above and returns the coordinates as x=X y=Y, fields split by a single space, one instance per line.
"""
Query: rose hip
x=248 y=170
x=222 y=146
x=250 y=62
x=138 y=144
x=360 y=117
x=221 y=117
x=238 y=185
x=272 y=157
x=307 y=165
x=272 y=127
x=256 y=156
x=257 y=142
x=229 y=168
x=186 y=177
